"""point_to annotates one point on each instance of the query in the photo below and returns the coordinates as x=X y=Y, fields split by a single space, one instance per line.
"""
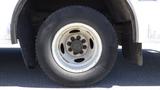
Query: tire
x=66 y=72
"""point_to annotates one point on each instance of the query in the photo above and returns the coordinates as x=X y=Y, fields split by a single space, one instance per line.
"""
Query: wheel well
x=30 y=14
x=117 y=11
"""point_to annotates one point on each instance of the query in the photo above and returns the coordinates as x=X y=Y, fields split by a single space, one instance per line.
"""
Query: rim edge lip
x=57 y=55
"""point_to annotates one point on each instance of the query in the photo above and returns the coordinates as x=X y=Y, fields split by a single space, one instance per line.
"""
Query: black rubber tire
x=65 y=16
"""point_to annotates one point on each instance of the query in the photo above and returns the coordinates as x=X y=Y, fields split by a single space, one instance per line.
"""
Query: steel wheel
x=76 y=47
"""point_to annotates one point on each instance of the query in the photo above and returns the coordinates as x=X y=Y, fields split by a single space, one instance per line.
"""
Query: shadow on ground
x=14 y=73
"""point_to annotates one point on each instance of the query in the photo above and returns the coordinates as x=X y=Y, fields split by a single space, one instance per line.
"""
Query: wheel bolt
x=72 y=38
x=78 y=37
x=81 y=52
x=69 y=43
x=83 y=41
x=75 y=53
x=70 y=49
x=84 y=47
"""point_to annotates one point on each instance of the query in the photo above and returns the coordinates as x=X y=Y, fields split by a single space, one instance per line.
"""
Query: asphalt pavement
x=14 y=74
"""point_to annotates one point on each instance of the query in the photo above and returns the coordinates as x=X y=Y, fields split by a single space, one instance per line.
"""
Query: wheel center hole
x=77 y=46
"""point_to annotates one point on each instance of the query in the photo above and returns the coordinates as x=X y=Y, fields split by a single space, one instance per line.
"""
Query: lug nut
x=72 y=38
x=84 y=47
x=83 y=41
x=78 y=37
x=75 y=53
x=81 y=52
x=70 y=49
x=69 y=43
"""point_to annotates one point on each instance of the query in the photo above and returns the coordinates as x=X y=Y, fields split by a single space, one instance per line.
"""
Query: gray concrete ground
x=14 y=74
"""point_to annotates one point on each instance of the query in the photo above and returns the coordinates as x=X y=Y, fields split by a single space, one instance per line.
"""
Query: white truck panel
x=148 y=15
x=6 y=9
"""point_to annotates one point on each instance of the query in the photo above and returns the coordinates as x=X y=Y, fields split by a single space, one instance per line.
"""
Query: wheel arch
x=21 y=3
x=15 y=19
x=134 y=21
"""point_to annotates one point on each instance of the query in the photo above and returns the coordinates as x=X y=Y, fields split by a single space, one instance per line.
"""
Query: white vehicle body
x=147 y=14
x=7 y=8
